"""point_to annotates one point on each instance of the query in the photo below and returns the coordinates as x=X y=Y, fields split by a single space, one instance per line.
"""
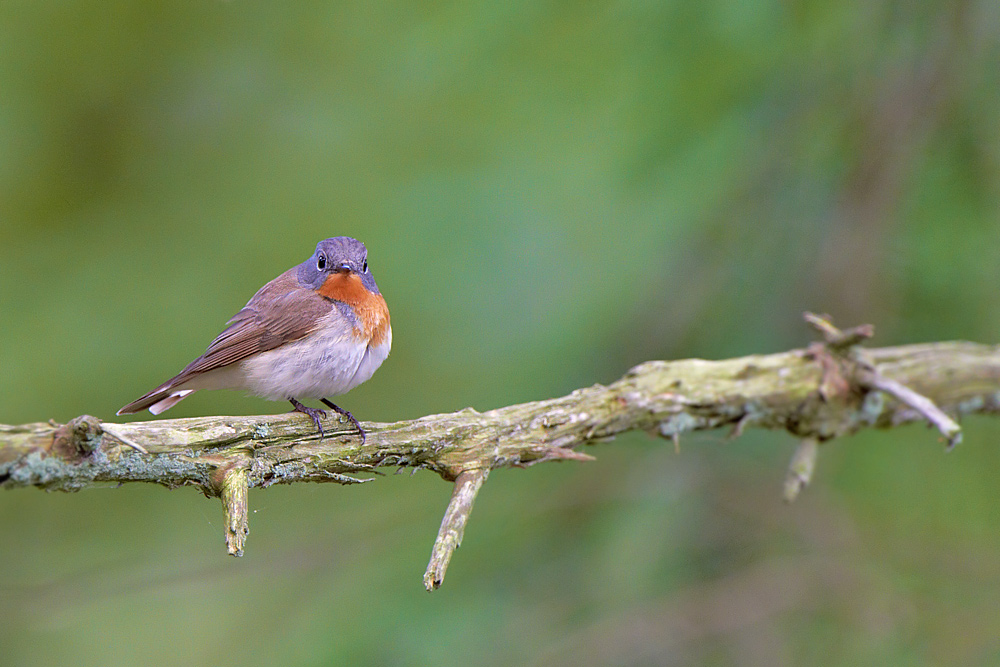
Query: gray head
x=336 y=255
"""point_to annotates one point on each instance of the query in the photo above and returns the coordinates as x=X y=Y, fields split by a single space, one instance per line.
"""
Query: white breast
x=329 y=362
x=372 y=359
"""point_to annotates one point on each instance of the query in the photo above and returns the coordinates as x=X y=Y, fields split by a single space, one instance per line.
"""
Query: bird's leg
x=313 y=413
x=341 y=411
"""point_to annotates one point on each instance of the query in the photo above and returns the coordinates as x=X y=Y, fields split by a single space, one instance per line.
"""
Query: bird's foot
x=341 y=411
x=313 y=413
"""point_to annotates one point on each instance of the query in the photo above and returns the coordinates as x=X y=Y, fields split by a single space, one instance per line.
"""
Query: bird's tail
x=162 y=398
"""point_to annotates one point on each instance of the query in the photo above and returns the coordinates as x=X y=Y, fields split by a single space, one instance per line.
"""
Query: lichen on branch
x=831 y=389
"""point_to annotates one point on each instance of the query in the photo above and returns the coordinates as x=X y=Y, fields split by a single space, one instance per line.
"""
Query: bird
x=317 y=330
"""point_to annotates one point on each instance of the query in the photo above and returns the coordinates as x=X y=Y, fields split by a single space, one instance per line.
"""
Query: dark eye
x=364 y=267
x=321 y=262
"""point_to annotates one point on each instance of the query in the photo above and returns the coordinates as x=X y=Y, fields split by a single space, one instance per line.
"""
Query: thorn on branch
x=449 y=536
x=328 y=476
x=834 y=337
x=117 y=434
x=566 y=454
x=234 y=508
x=800 y=470
x=543 y=453
x=948 y=427
x=738 y=427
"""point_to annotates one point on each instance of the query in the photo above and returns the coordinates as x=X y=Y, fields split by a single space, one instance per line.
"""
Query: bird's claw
x=341 y=411
x=313 y=413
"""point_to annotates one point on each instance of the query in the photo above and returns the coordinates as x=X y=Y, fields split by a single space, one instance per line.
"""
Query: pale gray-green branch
x=814 y=394
x=800 y=470
x=453 y=524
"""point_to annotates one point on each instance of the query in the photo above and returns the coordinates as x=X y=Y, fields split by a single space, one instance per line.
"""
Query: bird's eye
x=321 y=262
x=364 y=267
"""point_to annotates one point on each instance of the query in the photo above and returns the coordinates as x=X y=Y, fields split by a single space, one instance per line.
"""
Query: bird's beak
x=344 y=268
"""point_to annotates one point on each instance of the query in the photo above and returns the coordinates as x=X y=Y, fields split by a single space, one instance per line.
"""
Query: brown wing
x=280 y=312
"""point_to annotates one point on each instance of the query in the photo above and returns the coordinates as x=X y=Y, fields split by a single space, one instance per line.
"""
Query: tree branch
x=817 y=394
x=453 y=524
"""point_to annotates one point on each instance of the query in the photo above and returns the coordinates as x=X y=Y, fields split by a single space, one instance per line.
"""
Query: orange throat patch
x=370 y=309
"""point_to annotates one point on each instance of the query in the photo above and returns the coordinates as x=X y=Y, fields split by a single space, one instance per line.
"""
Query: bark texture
x=828 y=390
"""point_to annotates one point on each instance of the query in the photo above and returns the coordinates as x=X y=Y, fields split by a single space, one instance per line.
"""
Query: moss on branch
x=815 y=394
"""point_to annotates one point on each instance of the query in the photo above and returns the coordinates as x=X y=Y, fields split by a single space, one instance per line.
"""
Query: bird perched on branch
x=317 y=330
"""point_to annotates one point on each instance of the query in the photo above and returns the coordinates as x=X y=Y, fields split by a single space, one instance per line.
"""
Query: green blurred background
x=551 y=192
